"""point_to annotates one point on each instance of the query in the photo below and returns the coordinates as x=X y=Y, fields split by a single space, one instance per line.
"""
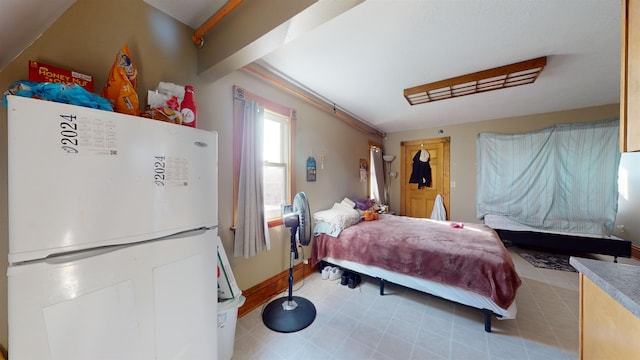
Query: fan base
x=283 y=316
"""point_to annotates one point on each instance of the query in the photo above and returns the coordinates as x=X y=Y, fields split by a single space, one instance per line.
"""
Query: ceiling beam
x=257 y=27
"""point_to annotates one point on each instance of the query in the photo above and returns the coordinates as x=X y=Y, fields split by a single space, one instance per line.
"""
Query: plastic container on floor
x=227 y=319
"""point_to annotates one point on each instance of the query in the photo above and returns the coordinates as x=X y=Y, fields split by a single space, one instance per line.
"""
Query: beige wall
x=463 y=150
x=87 y=37
x=317 y=133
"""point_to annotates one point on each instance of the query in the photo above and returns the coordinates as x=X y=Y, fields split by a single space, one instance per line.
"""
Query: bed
x=467 y=264
x=523 y=235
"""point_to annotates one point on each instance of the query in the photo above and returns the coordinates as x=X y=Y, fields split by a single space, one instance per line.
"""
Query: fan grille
x=301 y=207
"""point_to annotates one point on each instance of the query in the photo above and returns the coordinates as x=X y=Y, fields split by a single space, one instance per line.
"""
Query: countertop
x=620 y=281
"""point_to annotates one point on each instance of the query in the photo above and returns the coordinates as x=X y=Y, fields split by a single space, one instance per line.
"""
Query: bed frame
x=510 y=231
x=415 y=284
x=569 y=243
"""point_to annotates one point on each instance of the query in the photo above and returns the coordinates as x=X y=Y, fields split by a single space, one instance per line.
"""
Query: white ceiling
x=363 y=59
x=191 y=12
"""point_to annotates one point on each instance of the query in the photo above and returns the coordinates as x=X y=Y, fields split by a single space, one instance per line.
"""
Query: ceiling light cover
x=521 y=73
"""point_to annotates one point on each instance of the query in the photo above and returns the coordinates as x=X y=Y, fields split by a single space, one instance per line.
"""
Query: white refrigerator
x=112 y=235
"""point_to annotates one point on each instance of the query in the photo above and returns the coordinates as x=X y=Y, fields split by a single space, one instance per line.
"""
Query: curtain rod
x=312 y=99
x=197 y=37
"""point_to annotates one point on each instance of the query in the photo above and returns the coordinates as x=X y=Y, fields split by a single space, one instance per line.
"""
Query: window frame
x=285 y=148
x=240 y=96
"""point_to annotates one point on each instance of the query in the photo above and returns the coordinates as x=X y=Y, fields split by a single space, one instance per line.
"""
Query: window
x=276 y=156
x=278 y=134
x=375 y=174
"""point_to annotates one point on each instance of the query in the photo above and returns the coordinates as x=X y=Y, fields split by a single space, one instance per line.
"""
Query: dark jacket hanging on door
x=421 y=173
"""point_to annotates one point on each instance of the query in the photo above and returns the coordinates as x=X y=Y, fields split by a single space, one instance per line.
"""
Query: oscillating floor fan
x=292 y=313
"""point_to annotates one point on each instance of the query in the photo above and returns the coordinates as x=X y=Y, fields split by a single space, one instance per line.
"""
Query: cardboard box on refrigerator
x=40 y=72
x=227 y=286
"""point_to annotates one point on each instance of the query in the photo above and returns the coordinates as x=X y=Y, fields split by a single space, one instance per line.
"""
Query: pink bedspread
x=472 y=257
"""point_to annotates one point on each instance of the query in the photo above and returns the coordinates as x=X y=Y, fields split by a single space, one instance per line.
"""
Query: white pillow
x=339 y=217
x=348 y=202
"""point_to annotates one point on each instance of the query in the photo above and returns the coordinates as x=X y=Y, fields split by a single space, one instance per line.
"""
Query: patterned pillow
x=364 y=204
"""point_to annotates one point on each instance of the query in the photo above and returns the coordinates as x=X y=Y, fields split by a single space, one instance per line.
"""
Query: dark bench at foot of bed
x=570 y=243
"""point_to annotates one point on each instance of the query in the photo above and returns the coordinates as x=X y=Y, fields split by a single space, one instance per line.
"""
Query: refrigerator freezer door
x=155 y=300
x=82 y=178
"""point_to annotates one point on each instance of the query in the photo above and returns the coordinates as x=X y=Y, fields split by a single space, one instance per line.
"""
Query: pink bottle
x=188 y=107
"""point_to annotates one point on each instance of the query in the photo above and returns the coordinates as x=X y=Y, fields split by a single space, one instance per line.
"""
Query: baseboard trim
x=635 y=251
x=261 y=293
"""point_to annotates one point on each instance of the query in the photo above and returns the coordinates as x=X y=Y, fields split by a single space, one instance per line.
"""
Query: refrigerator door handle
x=188 y=233
x=84 y=254
x=81 y=254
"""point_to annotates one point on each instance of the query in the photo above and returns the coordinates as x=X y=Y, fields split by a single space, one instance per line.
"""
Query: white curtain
x=560 y=178
x=377 y=176
x=252 y=232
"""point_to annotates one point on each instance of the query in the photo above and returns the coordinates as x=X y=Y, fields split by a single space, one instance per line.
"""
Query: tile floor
x=357 y=323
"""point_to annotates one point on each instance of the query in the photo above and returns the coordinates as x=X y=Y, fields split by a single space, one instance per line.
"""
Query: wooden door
x=415 y=201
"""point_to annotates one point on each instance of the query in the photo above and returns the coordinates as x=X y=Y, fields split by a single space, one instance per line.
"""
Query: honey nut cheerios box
x=41 y=72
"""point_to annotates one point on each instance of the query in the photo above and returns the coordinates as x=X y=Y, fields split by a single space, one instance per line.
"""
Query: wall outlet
x=305 y=261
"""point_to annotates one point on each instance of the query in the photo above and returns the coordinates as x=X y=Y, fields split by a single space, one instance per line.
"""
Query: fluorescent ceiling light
x=521 y=73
